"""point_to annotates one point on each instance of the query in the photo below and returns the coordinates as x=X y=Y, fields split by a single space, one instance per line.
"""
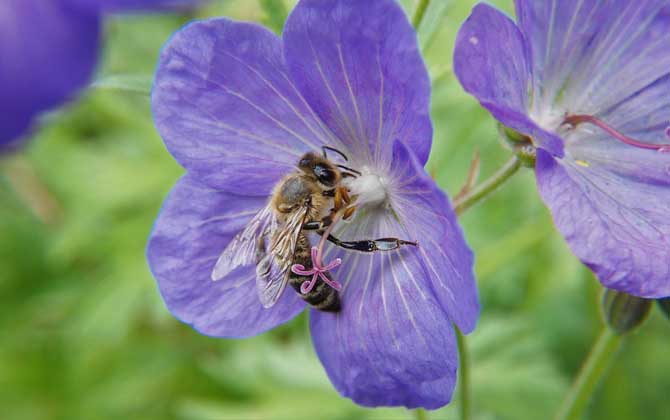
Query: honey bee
x=308 y=199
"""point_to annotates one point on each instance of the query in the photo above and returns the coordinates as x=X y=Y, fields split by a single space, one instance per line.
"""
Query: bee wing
x=243 y=249
x=273 y=270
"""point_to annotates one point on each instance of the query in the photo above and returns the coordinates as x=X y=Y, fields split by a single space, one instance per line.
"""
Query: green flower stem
x=460 y=205
x=464 y=375
x=420 y=414
x=136 y=84
x=419 y=12
x=597 y=362
x=485 y=188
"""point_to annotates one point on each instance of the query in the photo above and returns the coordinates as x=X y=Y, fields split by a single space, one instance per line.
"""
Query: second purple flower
x=589 y=83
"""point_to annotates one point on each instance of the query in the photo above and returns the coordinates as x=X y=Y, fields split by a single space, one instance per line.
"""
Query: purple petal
x=14 y=124
x=393 y=342
x=612 y=205
x=558 y=35
x=194 y=227
x=428 y=217
x=226 y=109
x=644 y=116
x=47 y=52
x=358 y=65
x=589 y=55
x=491 y=60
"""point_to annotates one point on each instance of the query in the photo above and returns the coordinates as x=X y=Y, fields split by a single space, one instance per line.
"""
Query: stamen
x=575 y=120
x=318 y=271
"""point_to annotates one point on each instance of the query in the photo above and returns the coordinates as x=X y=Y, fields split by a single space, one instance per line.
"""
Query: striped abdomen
x=322 y=296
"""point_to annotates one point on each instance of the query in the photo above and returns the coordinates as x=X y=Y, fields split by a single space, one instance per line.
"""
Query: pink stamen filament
x=575 y=120
x=318 y=271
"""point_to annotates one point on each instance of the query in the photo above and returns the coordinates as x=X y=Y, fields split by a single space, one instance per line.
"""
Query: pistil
x=575 y=120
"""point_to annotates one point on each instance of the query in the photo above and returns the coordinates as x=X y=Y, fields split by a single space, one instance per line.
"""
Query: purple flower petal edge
x=491 y=60
x=224 y=105
x=193 y=228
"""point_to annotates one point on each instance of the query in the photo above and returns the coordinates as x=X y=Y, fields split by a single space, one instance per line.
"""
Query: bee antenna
x=346 y=168
x=324 y=148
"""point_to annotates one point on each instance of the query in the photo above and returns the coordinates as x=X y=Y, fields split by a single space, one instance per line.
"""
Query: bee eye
x=324 y=175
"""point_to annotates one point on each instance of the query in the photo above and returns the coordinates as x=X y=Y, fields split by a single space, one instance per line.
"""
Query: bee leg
x=348 y=212
x=372 y=245
x=345 y=195
x=341 y=200
x=328 y=193
x=337 y=200
x=318 y=225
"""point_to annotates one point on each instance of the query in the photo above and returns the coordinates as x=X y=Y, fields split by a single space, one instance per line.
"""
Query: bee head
x=320 y=169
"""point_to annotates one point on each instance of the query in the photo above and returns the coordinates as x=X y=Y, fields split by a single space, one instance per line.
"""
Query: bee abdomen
x=322 y=296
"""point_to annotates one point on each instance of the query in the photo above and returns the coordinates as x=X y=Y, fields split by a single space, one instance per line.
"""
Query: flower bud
x=664 y=304
x=624 y=312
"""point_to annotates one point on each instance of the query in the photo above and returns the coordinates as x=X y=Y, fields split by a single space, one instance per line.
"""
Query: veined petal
x=194 y=227
x=358 y=64
x=393 y=342
x=491 y=60
x=445 y=257
x=559 y=33
x=589 y=55
x=644 y=116
x=32 y=34
x=613 y=211
x=382 y=355
x=227 y=110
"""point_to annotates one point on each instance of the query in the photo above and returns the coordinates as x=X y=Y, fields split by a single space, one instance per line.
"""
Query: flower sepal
x=512 y=137
x=521 y=144
x=527 y=155
x=623 y=313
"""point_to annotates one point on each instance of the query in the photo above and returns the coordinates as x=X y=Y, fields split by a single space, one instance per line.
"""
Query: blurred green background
x=84 y=333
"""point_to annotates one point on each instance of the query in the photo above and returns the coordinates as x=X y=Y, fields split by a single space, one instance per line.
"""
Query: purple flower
x=589 y=82
x=48 y=51
x=238 y=107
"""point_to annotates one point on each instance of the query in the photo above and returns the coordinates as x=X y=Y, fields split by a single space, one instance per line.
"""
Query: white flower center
x=549 y=119
x=369 y=188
